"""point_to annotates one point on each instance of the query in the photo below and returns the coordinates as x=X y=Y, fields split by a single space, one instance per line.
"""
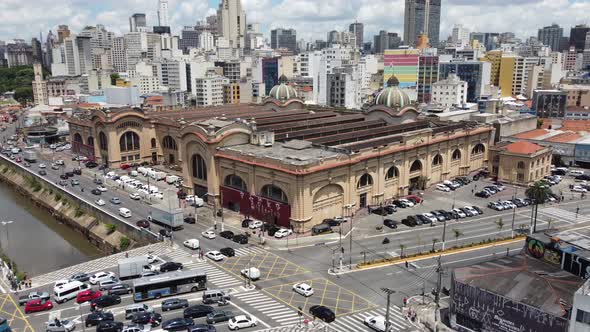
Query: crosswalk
x=566 y=216
x=354 y=323
x=99 y=264
x=249 y=251
x=269 y=307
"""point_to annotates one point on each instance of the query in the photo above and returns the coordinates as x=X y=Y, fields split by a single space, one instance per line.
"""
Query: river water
x=34 y=240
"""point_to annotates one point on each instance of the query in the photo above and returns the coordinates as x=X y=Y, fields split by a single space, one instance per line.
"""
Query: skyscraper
x=551 y=36
x=578 y=36
x=163 y=13
x=284 y=38
x=385 y=41
x=231 y=21
x=137 y=22
x=358 y=29
x=422 y=17
x=63 y=32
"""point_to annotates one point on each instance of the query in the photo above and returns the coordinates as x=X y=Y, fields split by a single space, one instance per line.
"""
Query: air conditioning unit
x=263 y=138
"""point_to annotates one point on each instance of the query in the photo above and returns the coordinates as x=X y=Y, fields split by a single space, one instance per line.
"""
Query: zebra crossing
x=269 y=307
x=354 y=323
x=249 y=251
x=569 y=217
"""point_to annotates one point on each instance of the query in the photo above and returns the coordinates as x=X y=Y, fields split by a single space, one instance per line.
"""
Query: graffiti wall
x=545 y=251
x=257 y=207
x=479 y=310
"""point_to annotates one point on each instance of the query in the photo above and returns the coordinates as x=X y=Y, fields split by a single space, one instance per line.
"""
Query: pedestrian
x=405 y=299
x=82 y=189
x=126 y=255
x=407 y=265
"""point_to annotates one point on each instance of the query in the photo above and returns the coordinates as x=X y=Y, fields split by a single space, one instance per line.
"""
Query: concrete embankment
x=105 y=231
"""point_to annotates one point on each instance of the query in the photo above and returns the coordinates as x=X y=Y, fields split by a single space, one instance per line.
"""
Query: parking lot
x=10 y=311
x=340 y=300
x=270 y=265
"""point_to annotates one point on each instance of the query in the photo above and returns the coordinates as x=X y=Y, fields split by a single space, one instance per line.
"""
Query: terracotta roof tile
x=532 y=134
x=564 y=138
x=522 y=147
x=575 y=125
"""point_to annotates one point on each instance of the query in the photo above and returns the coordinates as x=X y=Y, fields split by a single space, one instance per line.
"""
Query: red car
x=125 y=166
x=38 y=305
x=18 y=160
x=414 y=198
x=87 y=295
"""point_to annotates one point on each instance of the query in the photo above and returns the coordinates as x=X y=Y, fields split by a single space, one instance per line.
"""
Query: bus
x=169 y=284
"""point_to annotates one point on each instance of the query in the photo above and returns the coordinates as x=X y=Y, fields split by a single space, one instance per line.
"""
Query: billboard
x=261 y=208
x=403 y=64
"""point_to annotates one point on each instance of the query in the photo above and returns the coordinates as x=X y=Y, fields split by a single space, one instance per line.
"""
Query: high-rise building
x=137 y=23
x=569 y=58
x=578 y=36
x=514 y=73
x=449 y=92
x=18 y=54
x=231 y=22
x=460 y=36
x=39 y=86
x=283 y=38
x=403 y=63
x=119 y=55
x=63 y=32
x=49 y=44
x=491 y=40
x=551 y=36
x=163 y=13
x=359 y=30
x=549 y=103
x=422 y=17
x=475 y=73
x=270 y=73
x=189 y=38
x=210 y=89
x=495 y=59
x=37 y=50
x=141 y=45
x=386 y=41
x=427 y=75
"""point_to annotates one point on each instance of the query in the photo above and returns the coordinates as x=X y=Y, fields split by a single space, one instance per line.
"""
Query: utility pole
x=440 y=272
x=444 y=234
x=387 y=291
x=350 y=238
x=513 y=213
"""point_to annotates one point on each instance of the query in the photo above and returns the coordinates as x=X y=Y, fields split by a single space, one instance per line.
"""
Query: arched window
x=437 y=160
x=199 y=167
x=520 y=165
x=169 y=143
x=275 y=193
x=478 y=149
x=153 y=143
x=456 y=154
x=392 y=173
x=129 y=141
x=78 y=138
x=90 y=140
x=416 y=166
x=102 y=141
x=364 y=181
x=235 y=181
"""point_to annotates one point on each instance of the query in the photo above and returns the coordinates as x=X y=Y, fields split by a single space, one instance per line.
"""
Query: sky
x=311 y=18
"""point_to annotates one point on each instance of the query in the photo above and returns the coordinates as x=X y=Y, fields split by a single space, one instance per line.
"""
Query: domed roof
x=392 y=96
x=283 y=91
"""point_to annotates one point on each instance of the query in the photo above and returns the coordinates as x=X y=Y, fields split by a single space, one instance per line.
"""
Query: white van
x=159 y=176
x=170 y=179
x=134 y=173
x=576 y=172
x=125 y=213
x=68 y=291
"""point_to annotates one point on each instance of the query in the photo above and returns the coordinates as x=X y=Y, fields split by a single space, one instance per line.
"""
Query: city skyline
x=311 y=20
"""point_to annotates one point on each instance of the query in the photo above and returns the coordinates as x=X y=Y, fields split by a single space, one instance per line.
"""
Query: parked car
x=80 y=276
x=218 y=316
x=255 y=224
x=496 y=206
x=105 y=301
x=202 y=328
x=171 y=266
x=283 y=232
x=227 y=252
x=483 y=194
x=22 y=300
x=381 y=211
x=173 y=304
x=147 y=318
x=390 y=208
x=215 y=255
x=227 y=235
x=460 y=213
x=38 y=305
x=57 y=325
x=240 y=238
x=87 y=295
x=120 y=289
x=334 y=222
x=442 y=187
x=390 y=223
x=439 y=216
x=322 y=312
x=109 y=326
x=431 y=217
x=96 y=317
x=407 y=202
x=410 y=221
x=241 y=321
x=448 y=215
x=178 y=324
x=197 y=311
x=414 y=199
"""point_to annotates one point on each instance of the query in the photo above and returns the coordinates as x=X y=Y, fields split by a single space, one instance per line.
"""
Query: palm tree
x=500 y=225
x=434 y=241
x=457 y=233
x=537 y=193
x=401 y=248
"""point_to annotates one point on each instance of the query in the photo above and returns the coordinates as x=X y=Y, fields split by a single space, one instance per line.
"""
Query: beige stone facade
x=520 y=163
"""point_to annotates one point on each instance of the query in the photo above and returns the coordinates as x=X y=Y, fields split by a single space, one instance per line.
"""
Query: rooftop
x=522 y=147
x=524 y=279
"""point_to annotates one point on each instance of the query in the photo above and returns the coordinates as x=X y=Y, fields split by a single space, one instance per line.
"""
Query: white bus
x=168 y=284
x=68 y=291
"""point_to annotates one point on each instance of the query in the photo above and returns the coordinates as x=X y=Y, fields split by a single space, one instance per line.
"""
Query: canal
x=34 y=240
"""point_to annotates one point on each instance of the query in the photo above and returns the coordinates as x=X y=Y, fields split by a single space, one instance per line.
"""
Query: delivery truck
x=168 y=217
x=30 y=156
x=132 y=267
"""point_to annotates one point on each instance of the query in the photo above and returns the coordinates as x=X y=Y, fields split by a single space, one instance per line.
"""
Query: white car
x=407 y=202
x=42 y=165
x=303 y=289
x=194 y=200
x=460 y=213
x=208 y=234
x=101 y=276
x=442 y=187
x=60 y=162
x=579 y=189
x=157 y=195
x=152 y=258
x=191 y=244
x=241 y=321
x=60 y=282
x=65 y=325
x=340 y=219
x=99 y=202
x=135 y=196
x=215 y=255
x=283 y=232
x=431 y=217
x=255 y=224
x=102 y=188
x=377 y=323
x=472 y=210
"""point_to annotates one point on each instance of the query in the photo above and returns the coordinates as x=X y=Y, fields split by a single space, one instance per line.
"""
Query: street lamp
x=389 y=292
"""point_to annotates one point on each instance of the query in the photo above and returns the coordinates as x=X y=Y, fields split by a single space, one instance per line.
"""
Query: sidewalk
x=427 y=316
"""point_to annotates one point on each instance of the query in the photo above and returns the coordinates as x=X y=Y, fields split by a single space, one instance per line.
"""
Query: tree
x=457 y=233
x=401 y=248
x=434 y=241
x=537 y=193
x=114 y=78
x=500 y=225
x=23 y=94
x=539 y=123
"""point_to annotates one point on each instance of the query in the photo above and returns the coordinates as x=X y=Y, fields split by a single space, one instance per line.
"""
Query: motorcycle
x=222 y=303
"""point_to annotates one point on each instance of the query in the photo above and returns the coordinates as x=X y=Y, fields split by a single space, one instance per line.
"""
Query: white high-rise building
x=460 y=36
x=163 y=13
x=449 y=92
x=209 y=90
x=231 y=20
x=39 y=86
x=206 y=41
x=141 y=45
x=119 y=55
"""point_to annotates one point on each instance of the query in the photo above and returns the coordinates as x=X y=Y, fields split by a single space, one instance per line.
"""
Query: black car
x=91 y=164
x=585 y=177
x=109 y=326
x=422 y=219
x=198 y=311
x=143 y=223
x=82 y=277
x=171 y=266
x=322 y=312
x=246 y=222
x=378 y=211
x=42 y=172
x=105 y=301
x=173 y=304
x=390 y=223
x=63 y=176
x=69 y=174
x=270 y=229
x=476 y=208
x=152 y=318
x=120 y=289
x=463 y=179
x=219 y=316
x=96 y=192
x=227 y=252
x=439 y=216
x=99 y=316
x=77 y=171
x=390 y=208
x=177 y=324
x=399 y=204
x=240 y=238
x=227 y=235
x=483 y=194
x=410 y=221
x=446 y=214
x=190 y=220
x=165 y=233
x=331 y=222
x=202 y=328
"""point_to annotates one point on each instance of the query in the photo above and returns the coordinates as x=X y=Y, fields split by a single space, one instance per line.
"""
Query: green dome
x=392 y=97
x=283 y=92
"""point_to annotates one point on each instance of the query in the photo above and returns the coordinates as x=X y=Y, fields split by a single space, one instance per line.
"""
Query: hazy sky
x=311 y=18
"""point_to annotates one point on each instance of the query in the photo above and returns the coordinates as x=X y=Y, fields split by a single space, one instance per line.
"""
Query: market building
x=288 y=163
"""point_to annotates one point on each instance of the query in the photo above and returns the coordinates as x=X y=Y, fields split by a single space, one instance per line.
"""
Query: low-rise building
x=520 y=163
x=549 y=103
x=449 y=92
